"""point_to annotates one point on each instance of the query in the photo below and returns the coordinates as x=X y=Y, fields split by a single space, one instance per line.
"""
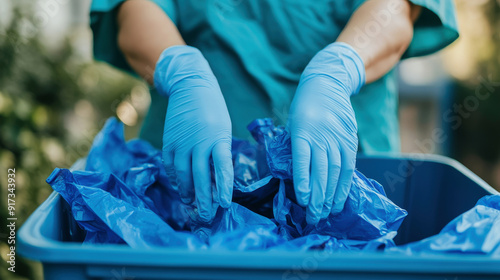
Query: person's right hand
x=197 y=129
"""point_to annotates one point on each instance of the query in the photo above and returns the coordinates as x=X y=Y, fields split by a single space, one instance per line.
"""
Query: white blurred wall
x=54 y=21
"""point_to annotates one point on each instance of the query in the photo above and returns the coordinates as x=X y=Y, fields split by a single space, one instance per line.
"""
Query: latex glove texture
x=197 y=130
x=323 y=130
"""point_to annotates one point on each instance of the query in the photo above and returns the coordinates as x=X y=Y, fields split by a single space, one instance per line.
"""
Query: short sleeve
x=435 y=28
x=105 y=29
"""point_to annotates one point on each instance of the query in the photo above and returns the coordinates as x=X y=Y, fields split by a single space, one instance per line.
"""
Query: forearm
x=380 y=31
x=144 y=32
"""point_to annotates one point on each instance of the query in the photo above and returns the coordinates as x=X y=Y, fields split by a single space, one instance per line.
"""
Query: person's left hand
x=324 y=131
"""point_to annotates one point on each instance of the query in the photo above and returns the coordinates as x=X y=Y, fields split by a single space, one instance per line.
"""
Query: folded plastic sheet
x=124 y=196
x=476 y=231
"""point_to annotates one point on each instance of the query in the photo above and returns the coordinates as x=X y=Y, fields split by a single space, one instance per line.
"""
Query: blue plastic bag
x=476 y=231
x=368 y=213
x=124 y=196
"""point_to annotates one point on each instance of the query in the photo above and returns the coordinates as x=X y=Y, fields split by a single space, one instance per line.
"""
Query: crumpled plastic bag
x=368 y=213
x=124 y=196
x=476 y=231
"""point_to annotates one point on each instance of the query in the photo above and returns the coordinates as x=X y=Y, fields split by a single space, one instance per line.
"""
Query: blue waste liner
x=433 y=189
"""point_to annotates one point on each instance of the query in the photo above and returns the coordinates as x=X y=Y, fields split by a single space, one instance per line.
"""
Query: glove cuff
x=341 y=62
x=176 y=64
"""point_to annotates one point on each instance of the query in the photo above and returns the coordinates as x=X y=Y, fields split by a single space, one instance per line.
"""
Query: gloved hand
x=324 y=131
x=197 y=129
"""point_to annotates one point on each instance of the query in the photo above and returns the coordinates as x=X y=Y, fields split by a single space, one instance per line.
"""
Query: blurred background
x=54 y=98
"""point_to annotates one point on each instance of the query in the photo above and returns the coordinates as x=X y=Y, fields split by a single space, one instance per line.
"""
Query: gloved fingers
x=319 y=177
x=184 y=174
x=202 y=183
x=224 y=173
x=301 y=160
x=334 y=168
x=168 y=163
x=345 y=181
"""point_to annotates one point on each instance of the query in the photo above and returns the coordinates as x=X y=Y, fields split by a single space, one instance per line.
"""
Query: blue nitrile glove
x=197 y=129
x=324 y=130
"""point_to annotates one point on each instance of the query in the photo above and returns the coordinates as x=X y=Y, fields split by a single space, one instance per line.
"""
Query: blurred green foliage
x=476 y=141
x=488 y=64
x=52 y=103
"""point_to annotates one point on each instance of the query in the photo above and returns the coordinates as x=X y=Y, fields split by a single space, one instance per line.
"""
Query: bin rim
x=421 y=157
x=34 y=245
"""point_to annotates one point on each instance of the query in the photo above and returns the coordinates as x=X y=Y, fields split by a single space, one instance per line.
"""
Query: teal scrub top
x=258 y=49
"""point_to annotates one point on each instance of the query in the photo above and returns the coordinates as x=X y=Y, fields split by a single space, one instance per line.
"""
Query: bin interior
x=433 y=193
x=432 y=190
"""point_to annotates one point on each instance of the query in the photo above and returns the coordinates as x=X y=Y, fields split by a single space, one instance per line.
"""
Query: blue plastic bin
x=433 y=189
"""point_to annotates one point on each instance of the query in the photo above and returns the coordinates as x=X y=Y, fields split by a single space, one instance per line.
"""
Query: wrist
x=338 y=61
x=177 y=66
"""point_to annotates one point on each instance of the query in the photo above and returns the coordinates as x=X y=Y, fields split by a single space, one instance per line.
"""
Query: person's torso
x=258 y=49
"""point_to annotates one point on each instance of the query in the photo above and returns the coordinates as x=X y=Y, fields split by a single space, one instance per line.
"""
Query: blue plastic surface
x=433 y=189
